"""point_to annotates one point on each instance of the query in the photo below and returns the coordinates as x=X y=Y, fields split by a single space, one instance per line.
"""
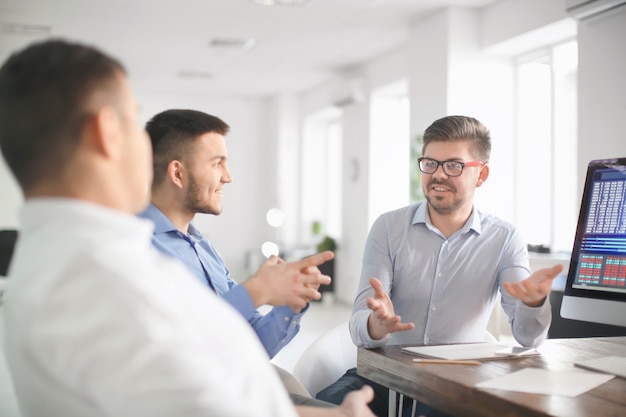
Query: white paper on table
x=541 y=381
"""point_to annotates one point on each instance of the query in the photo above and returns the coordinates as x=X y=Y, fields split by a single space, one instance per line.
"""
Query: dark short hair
x=455 y=128
x=44 y=95
x=173 y=131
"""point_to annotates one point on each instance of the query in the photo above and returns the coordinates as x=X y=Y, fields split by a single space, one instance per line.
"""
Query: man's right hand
x=353 y=405
x=292 y=284
x=383 y=320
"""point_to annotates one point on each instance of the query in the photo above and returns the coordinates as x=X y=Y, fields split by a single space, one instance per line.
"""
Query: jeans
x=297 y=399
x=350 y=381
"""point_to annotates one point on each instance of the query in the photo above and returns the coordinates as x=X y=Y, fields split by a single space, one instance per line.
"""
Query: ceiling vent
x=198 y=75
x=232 y=43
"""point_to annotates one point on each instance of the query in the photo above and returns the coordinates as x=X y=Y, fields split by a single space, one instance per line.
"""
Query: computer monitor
x=595 y=290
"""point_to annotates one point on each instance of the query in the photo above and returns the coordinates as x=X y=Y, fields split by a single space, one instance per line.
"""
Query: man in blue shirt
x=432 y=271
x=190 y=171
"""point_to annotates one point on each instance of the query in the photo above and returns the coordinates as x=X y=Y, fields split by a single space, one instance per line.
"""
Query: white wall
x=601 y=89
x=355 y=186
x=507 y=19
x=286 y=157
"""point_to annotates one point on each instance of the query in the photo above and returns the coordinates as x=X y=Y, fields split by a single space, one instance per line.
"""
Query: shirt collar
x=162 y=223
x=473 y=223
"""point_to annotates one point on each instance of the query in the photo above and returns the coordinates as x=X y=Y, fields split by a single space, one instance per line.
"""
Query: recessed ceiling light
x=298 y=3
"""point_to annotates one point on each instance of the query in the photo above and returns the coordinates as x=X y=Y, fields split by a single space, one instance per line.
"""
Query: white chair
x=490 y=337
x=326 y=359
x=291 y=383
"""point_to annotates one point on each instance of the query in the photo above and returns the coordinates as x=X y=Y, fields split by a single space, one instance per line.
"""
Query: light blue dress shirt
x=446 y=286
x=275 y=329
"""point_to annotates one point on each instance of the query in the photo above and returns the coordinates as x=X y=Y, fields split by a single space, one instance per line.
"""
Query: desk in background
x=450 y=388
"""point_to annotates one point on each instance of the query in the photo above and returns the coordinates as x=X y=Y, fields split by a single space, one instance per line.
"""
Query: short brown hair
x=454 y=128
x=171 y=133
x=44 y=96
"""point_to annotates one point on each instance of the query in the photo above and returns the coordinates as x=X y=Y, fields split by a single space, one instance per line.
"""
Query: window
x=545 y=180
x=321 y=174
x=389 y=167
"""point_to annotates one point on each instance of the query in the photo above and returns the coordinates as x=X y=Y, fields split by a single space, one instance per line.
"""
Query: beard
x=439 y=204
x=194 y=202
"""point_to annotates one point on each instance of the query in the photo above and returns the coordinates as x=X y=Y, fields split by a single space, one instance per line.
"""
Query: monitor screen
x=596 y=283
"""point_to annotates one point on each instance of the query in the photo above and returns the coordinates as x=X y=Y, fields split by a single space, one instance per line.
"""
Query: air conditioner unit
x=349 y=91
x=586 y=9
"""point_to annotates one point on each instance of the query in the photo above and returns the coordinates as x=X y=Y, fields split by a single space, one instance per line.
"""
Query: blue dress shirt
x=275 y=329
x=446 y=286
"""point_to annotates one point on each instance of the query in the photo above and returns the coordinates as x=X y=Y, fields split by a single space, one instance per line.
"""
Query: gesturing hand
x=383 y=320
x=292 y=284
x=353 y=405
x=533 y=290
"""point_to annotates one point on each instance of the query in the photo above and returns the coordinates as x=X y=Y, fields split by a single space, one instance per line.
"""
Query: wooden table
x=450 y=388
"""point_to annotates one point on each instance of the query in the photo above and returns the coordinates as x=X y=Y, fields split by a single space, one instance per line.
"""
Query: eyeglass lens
x=451 y=168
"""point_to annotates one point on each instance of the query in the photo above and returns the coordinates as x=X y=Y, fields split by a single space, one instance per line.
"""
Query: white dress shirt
x=95 y=326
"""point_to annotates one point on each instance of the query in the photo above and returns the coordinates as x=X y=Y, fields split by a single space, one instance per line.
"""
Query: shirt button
x=433 y=308
x=286 y=318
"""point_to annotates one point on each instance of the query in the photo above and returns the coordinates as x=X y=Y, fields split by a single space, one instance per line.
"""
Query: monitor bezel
x=570 y=290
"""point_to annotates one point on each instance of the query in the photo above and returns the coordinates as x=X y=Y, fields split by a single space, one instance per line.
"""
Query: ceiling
x=239 y=47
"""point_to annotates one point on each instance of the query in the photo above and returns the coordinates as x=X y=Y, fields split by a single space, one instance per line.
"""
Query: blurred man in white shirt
x=94 y=324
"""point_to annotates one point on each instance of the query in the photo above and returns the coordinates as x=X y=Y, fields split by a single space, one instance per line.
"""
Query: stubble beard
x=194 y=203
x=438 y=203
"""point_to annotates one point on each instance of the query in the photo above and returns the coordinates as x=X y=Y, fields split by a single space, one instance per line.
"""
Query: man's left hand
x=533 y=290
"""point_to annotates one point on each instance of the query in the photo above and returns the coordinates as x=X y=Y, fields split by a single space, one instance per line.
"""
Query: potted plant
x=328 y=267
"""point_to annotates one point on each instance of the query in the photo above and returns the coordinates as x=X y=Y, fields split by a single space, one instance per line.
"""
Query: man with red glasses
x=432 y=270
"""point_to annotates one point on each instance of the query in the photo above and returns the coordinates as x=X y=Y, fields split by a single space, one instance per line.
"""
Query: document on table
x=464 y=351
x=542 y=381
